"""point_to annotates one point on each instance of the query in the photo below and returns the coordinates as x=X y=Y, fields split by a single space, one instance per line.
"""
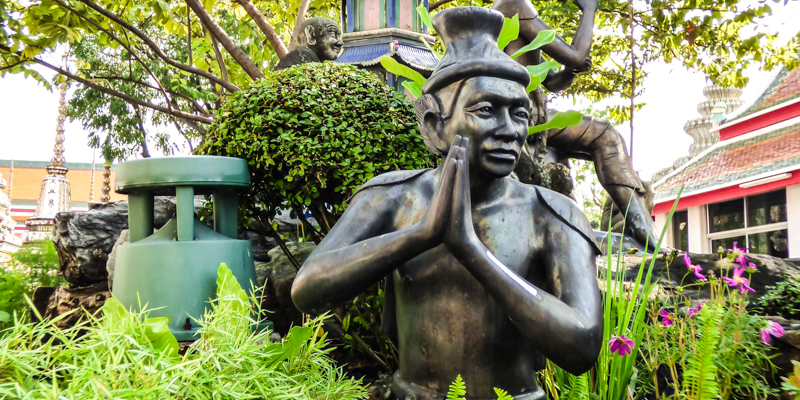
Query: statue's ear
x=310 y=38
x=431 y=125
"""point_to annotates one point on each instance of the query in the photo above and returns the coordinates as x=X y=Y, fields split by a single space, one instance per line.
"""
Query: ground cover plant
x=128 y=355
x=782 y=299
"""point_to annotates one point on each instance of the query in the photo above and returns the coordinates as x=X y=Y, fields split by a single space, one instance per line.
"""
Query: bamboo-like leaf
x=509 y=33
x=559 y=121
x=543 y=38
x=424 y=16
x=542 y=69
x=391 y=65
x=414 y=88
x=428 y=46
x=535 y=82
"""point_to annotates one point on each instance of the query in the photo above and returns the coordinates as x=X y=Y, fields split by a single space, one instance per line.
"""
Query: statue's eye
x=486 y=110
x=522 y=114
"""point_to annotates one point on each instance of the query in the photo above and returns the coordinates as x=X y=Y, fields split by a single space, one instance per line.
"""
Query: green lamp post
x=174 y=270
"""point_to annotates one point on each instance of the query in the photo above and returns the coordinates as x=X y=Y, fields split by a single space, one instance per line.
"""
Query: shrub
x=313 y=134
x=32 y=266
x=782 y=299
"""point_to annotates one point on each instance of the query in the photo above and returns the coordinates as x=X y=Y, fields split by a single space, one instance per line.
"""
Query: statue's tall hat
x=470 y=37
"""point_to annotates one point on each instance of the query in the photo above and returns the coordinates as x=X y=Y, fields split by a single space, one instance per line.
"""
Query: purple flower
x=738 y=280
x=751 y=267
x=738 y=254
x=695 y=310
x=694 y=268
x=772 y=329
x=667 y=317
x=621 y=345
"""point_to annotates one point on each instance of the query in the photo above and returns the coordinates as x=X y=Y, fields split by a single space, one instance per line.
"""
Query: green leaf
x=413 y=87
x=229 y=292
x=113 y=312
x=535 y=82
x=157 y=332
x=541 y=70
x=457 y=389
x=543 y=38
x=502 y=394
x=509 y=33
x=290 y=346
x=560 y=121
x=425 y=16
x=4 y=316
x=428 y=46
x=394 y=67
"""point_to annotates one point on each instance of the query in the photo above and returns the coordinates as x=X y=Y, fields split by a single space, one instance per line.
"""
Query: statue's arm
x=572 y=56
x=566 y=327
x=558 y=81
x=356 y=253
x=363 y=246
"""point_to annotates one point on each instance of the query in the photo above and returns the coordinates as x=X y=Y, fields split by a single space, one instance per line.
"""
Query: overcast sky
x=28 y=111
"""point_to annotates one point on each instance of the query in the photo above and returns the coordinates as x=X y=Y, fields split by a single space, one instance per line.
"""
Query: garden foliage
x=782 y=299
x=704 y=350
x=32 y=266
x=315 y=133
x=128 y=355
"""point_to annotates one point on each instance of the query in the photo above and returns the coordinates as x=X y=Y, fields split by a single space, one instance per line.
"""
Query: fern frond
x=578 y=388
x=502 y=394
x=457 y=389
x=700 y=378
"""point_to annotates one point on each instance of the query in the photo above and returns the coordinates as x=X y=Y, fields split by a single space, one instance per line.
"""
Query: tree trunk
x=235 y=51
x=298 y=23
x=265 y=27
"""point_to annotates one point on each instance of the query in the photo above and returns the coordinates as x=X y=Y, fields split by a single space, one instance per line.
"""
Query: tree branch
x=152 y=45
x=196 y=105
x=265 y=27
x=112 y=92
x=247 y=64
x=298 y=22
x=222 y=68
x=124 y=44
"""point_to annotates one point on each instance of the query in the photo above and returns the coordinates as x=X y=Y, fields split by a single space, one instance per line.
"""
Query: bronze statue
x=595 y=139
x=484 y=274
x=320 y=40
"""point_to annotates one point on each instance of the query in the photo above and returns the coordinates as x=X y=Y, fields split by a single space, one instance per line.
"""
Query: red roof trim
x=726 y=193
x=761 y=121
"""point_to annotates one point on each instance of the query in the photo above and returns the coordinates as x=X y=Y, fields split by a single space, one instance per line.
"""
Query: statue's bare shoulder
x=565 y=211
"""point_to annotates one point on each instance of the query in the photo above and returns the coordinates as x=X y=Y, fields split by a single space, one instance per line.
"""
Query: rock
x=770 y=271
x=261 y=244
x=279 y=275
x=40 y=299
x=84 y=240
x=84 y=300
x=124 y=237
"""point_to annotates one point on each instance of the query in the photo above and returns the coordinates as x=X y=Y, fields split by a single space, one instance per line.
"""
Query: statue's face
x=328 y=41
x=493 y=114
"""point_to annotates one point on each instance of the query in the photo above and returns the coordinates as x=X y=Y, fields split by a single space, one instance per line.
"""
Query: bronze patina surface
x=320 y=40
x=485 y=275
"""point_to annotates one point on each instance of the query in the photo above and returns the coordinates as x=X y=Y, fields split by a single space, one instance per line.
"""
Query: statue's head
x=323 y=37
x=477 y=91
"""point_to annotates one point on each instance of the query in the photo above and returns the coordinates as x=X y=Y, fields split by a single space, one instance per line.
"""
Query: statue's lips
x=500 y=154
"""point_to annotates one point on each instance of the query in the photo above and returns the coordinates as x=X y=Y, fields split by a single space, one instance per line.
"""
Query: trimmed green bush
x=314 y=133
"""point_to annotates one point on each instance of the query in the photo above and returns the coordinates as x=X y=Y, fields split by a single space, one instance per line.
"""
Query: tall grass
x=127 y=355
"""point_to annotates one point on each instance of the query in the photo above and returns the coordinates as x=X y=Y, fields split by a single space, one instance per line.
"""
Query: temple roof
x=785 y=87
x=371 y=54
x=748 y=157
